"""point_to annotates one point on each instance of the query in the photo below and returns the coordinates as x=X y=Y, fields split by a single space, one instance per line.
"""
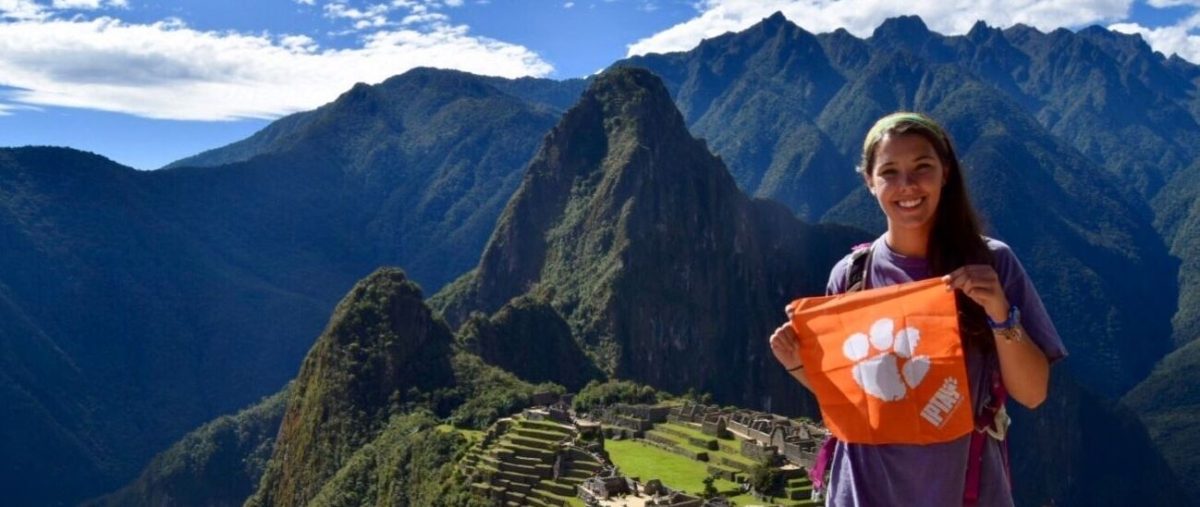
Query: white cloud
x=22 y=10
x=428 y=17
x=88 y=5
x=298 y=43
x=373 y=16
x=860 y=17
x=413 y=12
x=568 y=5
x=1179 y=39
x=306 y=2
x=168 y=70
x=76 y=4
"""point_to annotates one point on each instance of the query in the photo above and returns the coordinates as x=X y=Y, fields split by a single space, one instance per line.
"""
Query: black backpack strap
x=860 y=262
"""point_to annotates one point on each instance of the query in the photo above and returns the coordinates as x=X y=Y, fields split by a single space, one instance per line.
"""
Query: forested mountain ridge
x=144 y=303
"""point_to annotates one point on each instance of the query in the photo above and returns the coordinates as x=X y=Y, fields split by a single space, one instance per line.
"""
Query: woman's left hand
x=980 y=283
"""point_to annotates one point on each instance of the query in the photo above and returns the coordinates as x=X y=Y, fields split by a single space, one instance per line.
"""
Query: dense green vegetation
x=383 y=353
x=547 y=352
x=598 y=394
x=409 y=463
x=218 y=464
x=1169 y=403
x=361 y=423
x=484 y=393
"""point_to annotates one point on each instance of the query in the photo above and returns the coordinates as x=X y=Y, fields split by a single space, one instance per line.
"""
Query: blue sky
x=147 y=82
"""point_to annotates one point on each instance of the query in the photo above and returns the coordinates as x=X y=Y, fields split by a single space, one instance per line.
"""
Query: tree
x=710 y=491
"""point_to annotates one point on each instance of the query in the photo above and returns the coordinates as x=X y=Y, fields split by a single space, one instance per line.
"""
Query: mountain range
x=138 y=305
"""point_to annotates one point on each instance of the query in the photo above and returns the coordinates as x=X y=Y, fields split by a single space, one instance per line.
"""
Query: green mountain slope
x=1168 y=401
x=359 y=424
x=529 y=338
x=218 y=464
x=190 y=292
x=382 y=348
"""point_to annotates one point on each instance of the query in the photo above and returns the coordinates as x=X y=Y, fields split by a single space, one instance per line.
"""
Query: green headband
x=890 y=122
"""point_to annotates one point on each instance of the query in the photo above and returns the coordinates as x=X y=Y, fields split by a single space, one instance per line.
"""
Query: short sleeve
x=1019 y=290
x=837 y=277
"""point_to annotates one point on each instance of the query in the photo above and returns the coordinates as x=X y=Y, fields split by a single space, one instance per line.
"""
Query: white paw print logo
x=877 y=360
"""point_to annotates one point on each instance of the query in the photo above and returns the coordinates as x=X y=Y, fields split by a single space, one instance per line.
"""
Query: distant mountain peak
x=383 y=347
x=1127 y=44
x=636 y=94
x=910 y=28
x=774 y=21
x=980 y=31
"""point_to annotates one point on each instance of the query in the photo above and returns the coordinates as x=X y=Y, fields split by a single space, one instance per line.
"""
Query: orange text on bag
x=886 y=364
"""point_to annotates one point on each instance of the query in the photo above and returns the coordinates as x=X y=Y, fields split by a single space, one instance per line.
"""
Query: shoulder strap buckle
x=999 y=427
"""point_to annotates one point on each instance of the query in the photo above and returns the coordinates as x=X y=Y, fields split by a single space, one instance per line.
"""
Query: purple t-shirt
x=935 y=474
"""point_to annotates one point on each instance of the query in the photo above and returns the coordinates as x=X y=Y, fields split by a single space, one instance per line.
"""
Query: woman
x=909 y=165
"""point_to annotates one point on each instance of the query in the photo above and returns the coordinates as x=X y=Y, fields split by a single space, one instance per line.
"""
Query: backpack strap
x=860 y=263
x=992 y=421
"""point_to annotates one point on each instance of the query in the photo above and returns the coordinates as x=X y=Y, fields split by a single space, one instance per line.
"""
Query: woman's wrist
x=999 y=311
x=791 y=369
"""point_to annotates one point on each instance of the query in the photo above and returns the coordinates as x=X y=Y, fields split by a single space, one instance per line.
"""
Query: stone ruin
x=632 y=420
x=607 y=484
x=770 y=435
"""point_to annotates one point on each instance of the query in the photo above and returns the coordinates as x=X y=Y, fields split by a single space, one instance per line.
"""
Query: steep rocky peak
x=383 y=348
x=1126 y=46
x=630 y=96
x=981 y=32
x=902 y=28
x=358 y=96
x=775 y=21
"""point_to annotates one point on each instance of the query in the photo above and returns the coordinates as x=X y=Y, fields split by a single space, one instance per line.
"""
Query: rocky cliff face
x=666 y=273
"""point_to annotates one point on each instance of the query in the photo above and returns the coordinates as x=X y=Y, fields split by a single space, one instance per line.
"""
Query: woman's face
x=907 y=179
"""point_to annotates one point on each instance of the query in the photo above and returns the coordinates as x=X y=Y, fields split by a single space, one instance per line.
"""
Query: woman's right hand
x=783 y=345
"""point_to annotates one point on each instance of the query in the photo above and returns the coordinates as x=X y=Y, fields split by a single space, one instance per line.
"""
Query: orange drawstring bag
x=886 y=364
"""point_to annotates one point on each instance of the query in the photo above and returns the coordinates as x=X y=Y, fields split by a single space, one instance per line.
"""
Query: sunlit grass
x=646 y=462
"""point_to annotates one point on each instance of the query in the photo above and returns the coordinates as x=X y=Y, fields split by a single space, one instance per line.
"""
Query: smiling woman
x=1008 y=341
